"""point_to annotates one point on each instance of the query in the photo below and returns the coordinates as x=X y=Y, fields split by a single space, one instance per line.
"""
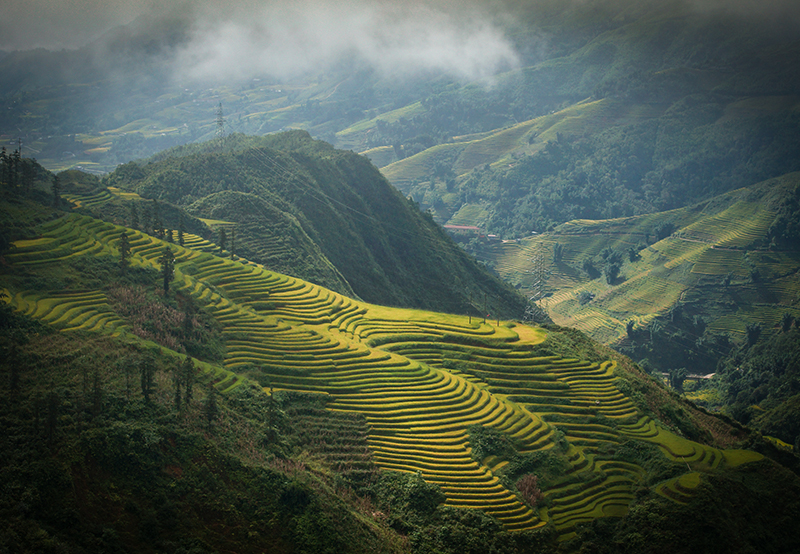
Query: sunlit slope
x=717 y=256
x=421 y=379
x=500 y=146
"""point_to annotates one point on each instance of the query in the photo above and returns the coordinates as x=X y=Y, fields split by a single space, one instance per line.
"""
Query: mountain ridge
x=336 y=220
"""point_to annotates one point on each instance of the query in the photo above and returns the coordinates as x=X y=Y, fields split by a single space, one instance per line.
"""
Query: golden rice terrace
x=421 y=380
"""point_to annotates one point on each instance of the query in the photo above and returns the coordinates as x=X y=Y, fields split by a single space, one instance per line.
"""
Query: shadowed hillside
x=301 y=207
x=539 y=428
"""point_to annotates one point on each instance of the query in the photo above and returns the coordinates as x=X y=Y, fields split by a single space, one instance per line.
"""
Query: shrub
x=528 y=486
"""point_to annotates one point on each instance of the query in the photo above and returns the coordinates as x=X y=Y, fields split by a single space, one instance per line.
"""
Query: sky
x=239 y=39
x=57 y=24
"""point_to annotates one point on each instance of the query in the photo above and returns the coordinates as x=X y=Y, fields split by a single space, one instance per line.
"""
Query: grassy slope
x=500 y=146
x=326 y=215
x=127 y=475
x=656 y=66
x=712 y=240
x=422 y=381
x=503 y=149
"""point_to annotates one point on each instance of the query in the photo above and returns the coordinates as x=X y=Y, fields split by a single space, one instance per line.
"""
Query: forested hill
x=653 y=108
x=301 y=207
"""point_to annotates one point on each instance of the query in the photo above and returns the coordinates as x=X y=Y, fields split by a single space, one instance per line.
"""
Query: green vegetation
x=614 y=160
x=700 y=289
x=756 y=384
x=455 y=434
x=617 y=112
x=197 y=355
x=688 y=282
x=300 y=207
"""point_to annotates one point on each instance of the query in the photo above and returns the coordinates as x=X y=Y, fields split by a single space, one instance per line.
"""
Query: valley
x=514 y=276
x=430 y=386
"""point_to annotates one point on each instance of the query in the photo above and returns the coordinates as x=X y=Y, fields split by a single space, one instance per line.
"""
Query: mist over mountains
x=268 y=180
x=215 y=41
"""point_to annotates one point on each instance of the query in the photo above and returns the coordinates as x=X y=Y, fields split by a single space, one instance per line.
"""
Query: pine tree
x=14 y=178
x=128 y=370
x=188 y=321
x=223 y=240
x=4 y=165
x=271 y=415
x=786 y=322
x=180 y=230
x=124 y=252
x=28 y=174
x=56 y=190
x=146 y=374
x=188 y=376
x=155 y=216
x=211 y=410
x=177 y=380
x=167 y=261
x=134 y=216
x=233 y=243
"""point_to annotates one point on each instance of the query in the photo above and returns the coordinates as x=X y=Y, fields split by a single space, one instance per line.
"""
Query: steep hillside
x=656 y=107
x=539 y=428
x=604 y=158
x=730 y=261
x=301 y=207
x=709 y=94
x=712 y=288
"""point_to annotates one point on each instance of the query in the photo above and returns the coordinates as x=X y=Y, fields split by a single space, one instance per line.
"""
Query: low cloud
x=58 y=24
x=248 y=38
x=287 y=40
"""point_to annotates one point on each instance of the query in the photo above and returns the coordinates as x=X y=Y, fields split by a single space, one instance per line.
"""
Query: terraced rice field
x=689 y=266
x=736 y=227
x=405 y=386
x=89 y=200
x=680 y=489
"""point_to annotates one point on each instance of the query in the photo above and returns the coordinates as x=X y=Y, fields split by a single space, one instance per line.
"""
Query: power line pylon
x=540 y=270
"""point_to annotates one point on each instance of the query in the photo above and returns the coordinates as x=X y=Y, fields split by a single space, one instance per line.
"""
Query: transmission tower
x=220 y=122
x=540 y=270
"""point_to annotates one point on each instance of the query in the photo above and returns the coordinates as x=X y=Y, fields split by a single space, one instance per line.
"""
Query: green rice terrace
x=719 y=258
x=473 y=406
